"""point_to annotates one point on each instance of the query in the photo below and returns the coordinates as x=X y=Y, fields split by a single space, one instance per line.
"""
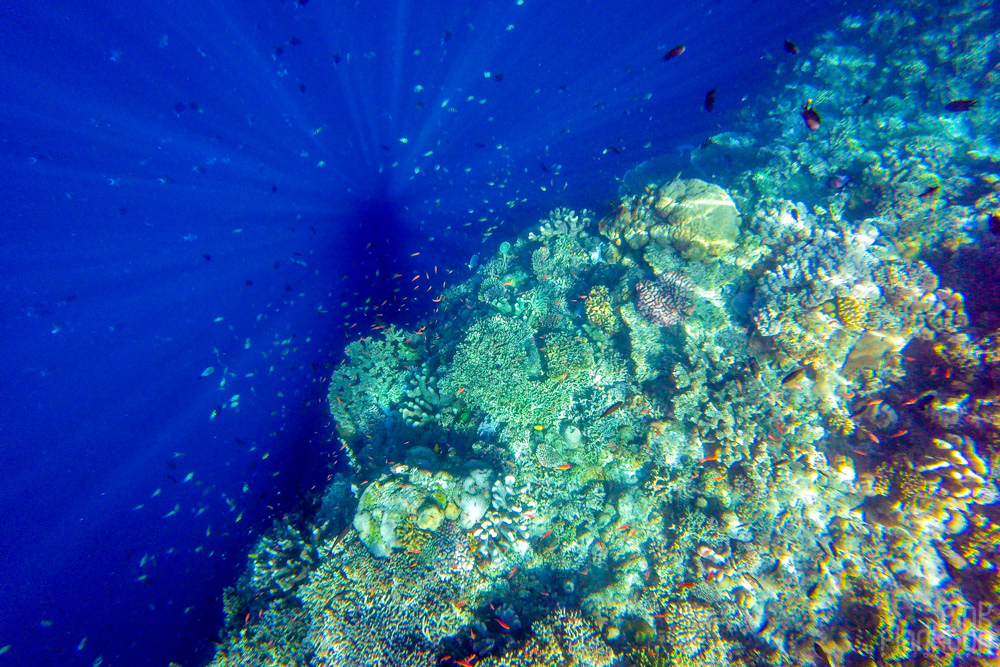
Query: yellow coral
x=600 y=311
x=841 y=422
x=413 y=537
x=852 y=313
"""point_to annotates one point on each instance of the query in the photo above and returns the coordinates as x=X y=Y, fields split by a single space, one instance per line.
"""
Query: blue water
x=233 y=185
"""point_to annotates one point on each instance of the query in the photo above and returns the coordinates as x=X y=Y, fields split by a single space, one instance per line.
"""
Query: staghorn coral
x=561 y=639
x=369 y=612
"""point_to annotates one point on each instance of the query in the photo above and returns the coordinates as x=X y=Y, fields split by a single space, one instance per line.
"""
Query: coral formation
x=685 y=435
x=665 y=301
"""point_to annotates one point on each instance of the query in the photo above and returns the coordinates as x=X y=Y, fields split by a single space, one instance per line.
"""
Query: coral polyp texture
x=665 y=301
x=748 y=415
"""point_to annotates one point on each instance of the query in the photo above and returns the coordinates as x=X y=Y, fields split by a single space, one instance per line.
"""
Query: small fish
x=188 y=477
x=502 y=624
x=930 y=192
x=793 y=377
x=83 y=642
x=899 y=434
x=564 y=466
x=790 y=47
x=615 y=407
x=674 y=52
x=838 y=181
x=710 y=100
x=961 y=105
x=208 y=371
x=810 y=116
x=864 y=408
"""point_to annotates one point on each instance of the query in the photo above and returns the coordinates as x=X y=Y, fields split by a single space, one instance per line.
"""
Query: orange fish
x=565 y=466
x=502 y=624
x=900 y=434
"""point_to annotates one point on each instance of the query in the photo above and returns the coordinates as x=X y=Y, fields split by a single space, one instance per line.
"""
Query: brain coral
x=667 y=301
x=701 y=220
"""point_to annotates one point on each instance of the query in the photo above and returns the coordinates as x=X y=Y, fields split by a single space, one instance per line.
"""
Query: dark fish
x=810 y=117
x=479 y=144
x=447 y=36
x=613 y=149
x=615 y=407
x=294 y=41
x=793 y=377
x=278 y=50
x=960 y=105
x=824 y=659
x=337 y=58
x=542 y=165
x=288 y=287
x=710 y=100
x=790 y=47
x=179 y=107
x=302 y=88
x=993 y=223
x=274 y=188
x=930 y=192
x=794 y=213
x=498 y=76
x=208 y=258
x=868 y=98
x=674 y=52
x=754 y=366
x=249 y=283
x=838 y=181
x=383 y=147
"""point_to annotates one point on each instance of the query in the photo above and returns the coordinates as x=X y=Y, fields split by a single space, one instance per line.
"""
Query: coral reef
x=746 y=420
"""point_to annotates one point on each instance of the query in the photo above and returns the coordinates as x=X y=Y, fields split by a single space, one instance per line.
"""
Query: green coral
x=493 y=366
x=373 y=379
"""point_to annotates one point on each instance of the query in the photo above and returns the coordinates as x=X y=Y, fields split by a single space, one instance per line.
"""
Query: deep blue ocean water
x=232 y=186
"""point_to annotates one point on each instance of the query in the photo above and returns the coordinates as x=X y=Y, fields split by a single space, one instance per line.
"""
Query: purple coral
x=666 y=301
